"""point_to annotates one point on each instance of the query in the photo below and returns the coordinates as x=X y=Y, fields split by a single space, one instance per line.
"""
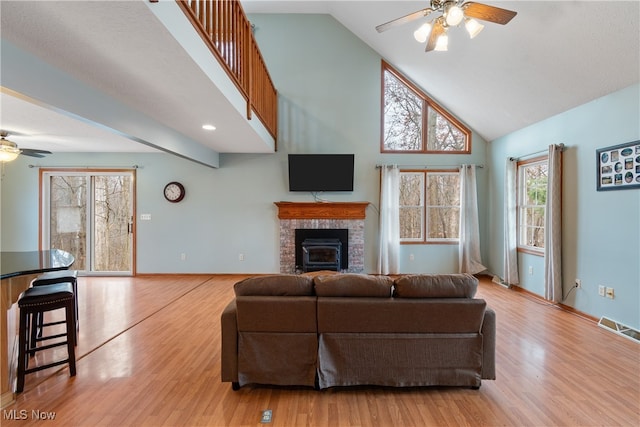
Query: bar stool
x=60 y=276
x=33 y=302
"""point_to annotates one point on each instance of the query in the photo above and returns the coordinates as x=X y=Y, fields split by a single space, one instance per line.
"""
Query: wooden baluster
x=227 y=31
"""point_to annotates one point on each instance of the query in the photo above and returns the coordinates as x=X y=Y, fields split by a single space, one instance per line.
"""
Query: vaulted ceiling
x=553 y=56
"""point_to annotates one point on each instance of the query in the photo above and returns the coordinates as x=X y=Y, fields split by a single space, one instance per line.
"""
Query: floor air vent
x=619 y=329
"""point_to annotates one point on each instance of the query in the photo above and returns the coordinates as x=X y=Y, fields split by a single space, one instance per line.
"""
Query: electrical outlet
x=578 y=283
x=183 y=256
x=601 y=290
x=411 y=257
x=530 y=270
x=267 y=415
x=610 y=293
x=240 y=257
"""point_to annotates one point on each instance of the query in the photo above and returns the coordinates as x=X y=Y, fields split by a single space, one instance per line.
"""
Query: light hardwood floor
x=149 y=355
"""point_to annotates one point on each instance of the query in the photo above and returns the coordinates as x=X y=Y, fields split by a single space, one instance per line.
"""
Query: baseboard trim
x=561 y=306
x=578 y=313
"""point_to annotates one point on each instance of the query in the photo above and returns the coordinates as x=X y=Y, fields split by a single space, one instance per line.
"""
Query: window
x=90 y=214
x=429 y=206
x=532 y=199
x=413 y=123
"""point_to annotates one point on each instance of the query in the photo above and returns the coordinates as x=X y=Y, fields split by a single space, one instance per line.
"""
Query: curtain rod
x=86 y=167
x=534 y=153
x=378 y=166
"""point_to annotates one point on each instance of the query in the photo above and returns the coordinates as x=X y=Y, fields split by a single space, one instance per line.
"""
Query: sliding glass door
x=90 y=214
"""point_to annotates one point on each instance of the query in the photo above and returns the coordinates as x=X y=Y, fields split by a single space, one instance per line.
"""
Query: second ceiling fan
x=9 y=150
x=452 y=13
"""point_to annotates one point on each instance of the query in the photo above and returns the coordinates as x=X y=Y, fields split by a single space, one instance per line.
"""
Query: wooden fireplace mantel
x=321 y=210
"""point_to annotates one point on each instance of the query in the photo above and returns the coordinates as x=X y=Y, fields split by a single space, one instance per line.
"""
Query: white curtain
x=553 y=227
x=389 y=240
x=510 y=273
x=469 y=247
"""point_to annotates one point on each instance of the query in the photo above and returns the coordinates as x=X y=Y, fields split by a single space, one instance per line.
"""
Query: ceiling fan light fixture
x=442 y=44
x=422 y=33
x=8 y=150
x=473 y=27
x=453 y=14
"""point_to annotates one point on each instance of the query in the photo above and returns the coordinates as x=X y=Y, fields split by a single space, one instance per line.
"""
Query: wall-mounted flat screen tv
x=321 y=172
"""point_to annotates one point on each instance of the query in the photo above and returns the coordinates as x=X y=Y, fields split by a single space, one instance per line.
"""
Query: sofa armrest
x=229 y=342
x=489 y=345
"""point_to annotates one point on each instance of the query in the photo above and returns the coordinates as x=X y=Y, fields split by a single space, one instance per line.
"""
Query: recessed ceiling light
x=208 y=127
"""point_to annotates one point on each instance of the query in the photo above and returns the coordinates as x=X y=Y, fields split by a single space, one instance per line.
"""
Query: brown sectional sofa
x=351 y=329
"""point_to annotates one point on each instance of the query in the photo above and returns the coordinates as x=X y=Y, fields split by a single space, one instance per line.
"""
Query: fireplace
x=321 y=254
x=326 y=249
x=348 y=216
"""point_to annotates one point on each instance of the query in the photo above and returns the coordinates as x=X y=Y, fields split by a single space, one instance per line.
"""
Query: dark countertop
x=33 y=262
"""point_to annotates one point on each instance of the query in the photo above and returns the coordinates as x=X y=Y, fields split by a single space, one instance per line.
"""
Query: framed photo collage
x=618 y=167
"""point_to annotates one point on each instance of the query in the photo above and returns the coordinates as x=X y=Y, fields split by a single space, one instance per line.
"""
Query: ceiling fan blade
x=488 y=13
x=437 y=30
x=5 y=133
x=34 y=153
x=403 y=20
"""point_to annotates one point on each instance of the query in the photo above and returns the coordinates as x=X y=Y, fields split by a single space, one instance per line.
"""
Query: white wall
x=601 y=230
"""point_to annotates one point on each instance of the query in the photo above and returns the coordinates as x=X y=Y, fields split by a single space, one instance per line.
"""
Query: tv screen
x=321 y=172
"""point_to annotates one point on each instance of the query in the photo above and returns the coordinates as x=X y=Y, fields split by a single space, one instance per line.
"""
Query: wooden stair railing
x=224 y=27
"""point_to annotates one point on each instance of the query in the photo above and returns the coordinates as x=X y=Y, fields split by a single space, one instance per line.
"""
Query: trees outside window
x=429 y=206
x=90 y=214
x=532 y=199
x=402 y=116
x=414 y=123
x=412 y=206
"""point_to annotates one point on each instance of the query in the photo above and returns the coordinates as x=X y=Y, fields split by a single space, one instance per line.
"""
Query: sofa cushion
x=353 y=285
x=275 y=285
x=436 y=286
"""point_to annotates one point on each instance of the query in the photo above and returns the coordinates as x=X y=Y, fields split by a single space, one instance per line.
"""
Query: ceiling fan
x=9 y=150
x=452 y=13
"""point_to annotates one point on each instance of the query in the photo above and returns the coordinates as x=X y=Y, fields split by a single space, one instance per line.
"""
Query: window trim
x=425 y=239
x=523 y=248
x=422 y=207
x=427 y=102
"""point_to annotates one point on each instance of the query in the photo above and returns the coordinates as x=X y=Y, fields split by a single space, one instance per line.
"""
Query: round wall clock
x=174 y=192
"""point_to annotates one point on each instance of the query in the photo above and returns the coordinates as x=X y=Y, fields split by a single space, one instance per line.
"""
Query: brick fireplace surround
x=321 y=215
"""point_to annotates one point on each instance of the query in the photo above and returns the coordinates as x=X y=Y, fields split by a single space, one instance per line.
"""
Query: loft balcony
x=228 y=33
x=148 y=72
